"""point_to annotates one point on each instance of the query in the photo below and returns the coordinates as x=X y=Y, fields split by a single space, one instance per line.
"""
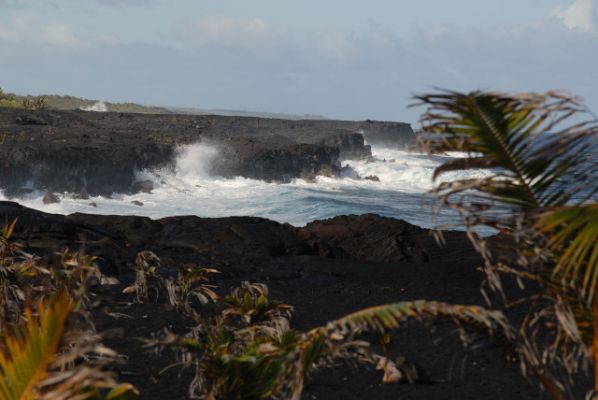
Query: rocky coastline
x=88 y=153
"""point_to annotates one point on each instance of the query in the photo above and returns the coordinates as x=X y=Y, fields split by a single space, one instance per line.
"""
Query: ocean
x=405 y=179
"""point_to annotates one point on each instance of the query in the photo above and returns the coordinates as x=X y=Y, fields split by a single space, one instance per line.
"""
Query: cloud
x=579 y=15
x=221 y=30
x=252 y=63
x=374 y=45
x=57 y=34
x=13 y=4
x=23 y=28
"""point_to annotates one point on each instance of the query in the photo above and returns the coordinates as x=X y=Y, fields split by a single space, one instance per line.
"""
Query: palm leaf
x=27 y=356
x=534 y=158
x=573 y=235
x=490 y=323
x=321 y=342
x=391 y=316
x=33 y=367
x=541 y=170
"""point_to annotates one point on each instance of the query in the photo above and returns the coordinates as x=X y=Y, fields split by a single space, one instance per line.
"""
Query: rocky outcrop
x=366 y=237
x=50 y=198
x=373 y=178
x=377 y=133
x=351 y=146
x=224 y=242
x=274 y=162
x=74 y=154
x=395 y=135
x=100 y=153
x=145 y=186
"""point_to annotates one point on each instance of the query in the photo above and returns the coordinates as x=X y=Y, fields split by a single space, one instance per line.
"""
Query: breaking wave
x=188 y=189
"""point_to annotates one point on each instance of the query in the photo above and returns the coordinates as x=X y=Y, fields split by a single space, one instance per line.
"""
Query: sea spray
x=189 y=189
x=99 y=106
x=193 y=162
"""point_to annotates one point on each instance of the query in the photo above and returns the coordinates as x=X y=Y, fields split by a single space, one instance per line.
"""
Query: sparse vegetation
x=56 y=102
x=247 y=349
x=29 y=102
x=51 y=351
x=75 y=103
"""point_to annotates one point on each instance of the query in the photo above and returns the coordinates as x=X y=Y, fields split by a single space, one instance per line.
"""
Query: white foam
x=99 y=106
x=190 y=190
x=193 y=161
x=408 y=172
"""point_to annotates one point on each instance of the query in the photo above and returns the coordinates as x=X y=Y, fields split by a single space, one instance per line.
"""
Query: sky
x=347 y=59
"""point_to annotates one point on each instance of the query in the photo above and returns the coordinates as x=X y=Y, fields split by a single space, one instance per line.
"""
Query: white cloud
x=229 y=31
x=18 y=27
x=58 y=34
x=368 y=74
x=354 y=46
x=23 y=28
x=12 y=3
x=579 y=15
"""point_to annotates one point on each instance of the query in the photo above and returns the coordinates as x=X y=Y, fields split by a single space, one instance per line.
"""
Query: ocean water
x=402 y=192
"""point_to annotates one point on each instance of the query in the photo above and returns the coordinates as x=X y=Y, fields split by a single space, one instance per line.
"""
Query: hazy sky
x=340 y=58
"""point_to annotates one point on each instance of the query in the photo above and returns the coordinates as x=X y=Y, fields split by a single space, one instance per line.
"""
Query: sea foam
x=190 y=189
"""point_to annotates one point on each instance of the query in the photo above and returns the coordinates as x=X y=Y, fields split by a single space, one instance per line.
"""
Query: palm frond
x=490 y=323
x=24 y=362
x=326 y=343
x=540 y=183
x=36 y=364
x=391 y=316
x=573 y=235
x=534 y=154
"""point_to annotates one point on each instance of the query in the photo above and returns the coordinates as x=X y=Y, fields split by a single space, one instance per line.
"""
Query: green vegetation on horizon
x=58 y=102
x=11 y=100
x=75 y=103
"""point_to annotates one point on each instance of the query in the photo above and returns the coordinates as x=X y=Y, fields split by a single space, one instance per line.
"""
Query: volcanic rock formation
x=100 y=153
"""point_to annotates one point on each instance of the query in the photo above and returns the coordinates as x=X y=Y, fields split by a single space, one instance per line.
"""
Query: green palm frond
x=34 y=365
x=573 y=235
x=26 y=357
x=534 y=154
